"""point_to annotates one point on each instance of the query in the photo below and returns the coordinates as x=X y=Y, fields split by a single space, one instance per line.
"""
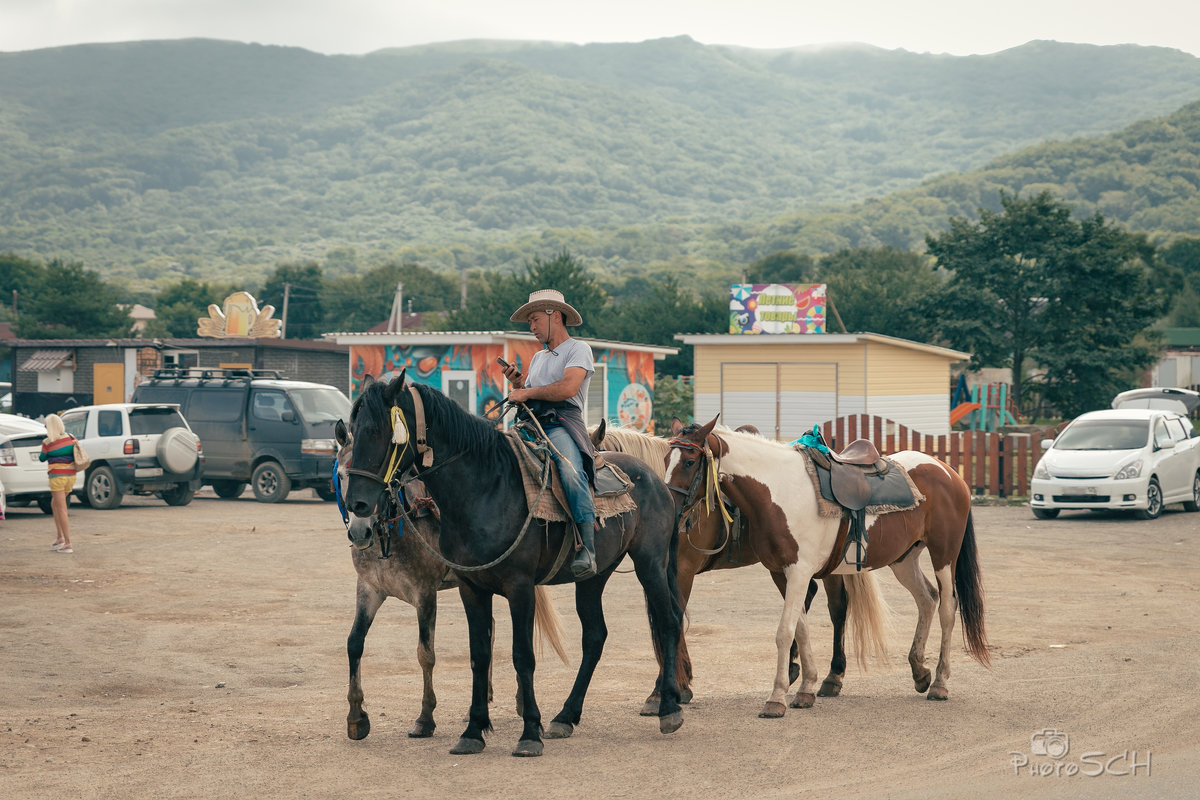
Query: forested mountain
x=151 y=161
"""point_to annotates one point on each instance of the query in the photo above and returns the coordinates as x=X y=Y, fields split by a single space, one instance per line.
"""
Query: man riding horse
x=555 y=389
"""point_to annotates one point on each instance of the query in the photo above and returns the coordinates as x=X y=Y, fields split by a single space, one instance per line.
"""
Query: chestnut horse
x=769 y=482
x=704 y=543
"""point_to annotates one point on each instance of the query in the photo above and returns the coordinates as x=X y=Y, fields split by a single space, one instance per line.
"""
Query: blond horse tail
x=869 y=618
x=547 y=625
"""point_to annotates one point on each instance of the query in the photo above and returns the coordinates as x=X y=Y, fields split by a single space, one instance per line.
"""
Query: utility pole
x=462 y=301
x=396 y=318
x=287 y=290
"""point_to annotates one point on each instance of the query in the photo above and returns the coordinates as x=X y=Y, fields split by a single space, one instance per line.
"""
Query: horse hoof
x=772 y=710
x=938 y=693
x=804 y=700
x=421 y=730
x=358 y=730
x=685 y=696
x=650 y=709
x=558 y=730
x=528 y=748
x=829 y=689
x=467 y=747
x=671 y=722
x=921 y=683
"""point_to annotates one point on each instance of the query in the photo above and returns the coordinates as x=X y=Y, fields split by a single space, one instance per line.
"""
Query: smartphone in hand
x=502 y=362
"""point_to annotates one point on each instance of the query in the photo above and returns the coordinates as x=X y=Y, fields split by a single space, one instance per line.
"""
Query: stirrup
x=584 y=564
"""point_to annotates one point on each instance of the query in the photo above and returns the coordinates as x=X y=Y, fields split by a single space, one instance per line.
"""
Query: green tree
x=783 y=266
x=490 y=307
x=301 y=285
x=18 y=277
x=360 y=302
x=71 y=303
x=673 y=398
x=1030 y=284
x=178 y=306
x=881 y=290
x=665 y=309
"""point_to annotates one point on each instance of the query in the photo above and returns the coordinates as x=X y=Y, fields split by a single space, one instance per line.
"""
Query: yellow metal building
x=786 y=383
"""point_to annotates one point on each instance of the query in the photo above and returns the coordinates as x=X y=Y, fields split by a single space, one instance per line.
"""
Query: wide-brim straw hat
x=548 y=300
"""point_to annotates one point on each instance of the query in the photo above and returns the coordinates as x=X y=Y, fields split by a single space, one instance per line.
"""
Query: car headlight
x=1131 y=470
x=1040 y=472
x=317 y=446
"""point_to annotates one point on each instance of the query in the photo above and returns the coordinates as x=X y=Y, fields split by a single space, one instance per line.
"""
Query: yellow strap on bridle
x=713 y=488
x=397 y=453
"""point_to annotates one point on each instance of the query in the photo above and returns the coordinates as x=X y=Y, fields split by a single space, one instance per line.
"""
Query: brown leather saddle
x=856 y=478
x=849 y=471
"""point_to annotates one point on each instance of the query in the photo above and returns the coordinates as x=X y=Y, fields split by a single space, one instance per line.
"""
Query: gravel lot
x=200 y=652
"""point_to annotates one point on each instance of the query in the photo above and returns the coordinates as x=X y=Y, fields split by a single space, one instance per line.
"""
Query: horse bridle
x=401 y=439
x=692 y=496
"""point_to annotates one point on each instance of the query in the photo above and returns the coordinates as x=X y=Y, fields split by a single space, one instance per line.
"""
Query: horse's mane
x=650 y=449
x=729 y=434
x=461 y=432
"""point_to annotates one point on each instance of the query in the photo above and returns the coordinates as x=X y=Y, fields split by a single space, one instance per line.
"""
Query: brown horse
x=707 y=542
x=769 y=482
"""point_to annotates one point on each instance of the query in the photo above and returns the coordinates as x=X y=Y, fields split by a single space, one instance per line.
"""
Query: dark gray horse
x=390 y=562
x=472 y=473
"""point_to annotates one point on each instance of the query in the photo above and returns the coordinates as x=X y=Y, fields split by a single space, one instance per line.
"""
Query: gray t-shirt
x=549 y=366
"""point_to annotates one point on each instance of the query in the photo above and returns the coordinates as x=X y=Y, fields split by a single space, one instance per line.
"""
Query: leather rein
x=386 y=476
x=706 y=473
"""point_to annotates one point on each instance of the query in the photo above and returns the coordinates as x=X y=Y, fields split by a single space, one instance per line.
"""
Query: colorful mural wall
x=777 y=308
x=630 y=392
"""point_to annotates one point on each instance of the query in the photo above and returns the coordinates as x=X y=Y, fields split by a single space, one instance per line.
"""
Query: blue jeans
x=574 y=479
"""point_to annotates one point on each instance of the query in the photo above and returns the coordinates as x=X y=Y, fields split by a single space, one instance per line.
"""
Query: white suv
x=136 y=448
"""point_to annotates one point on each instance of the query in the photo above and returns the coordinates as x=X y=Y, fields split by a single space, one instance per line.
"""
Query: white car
x=22 y=473
x=1135 y=459
x=135 y=448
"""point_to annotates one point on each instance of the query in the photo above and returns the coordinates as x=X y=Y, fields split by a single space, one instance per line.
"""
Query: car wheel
x=1154 y=501
x=44 y=504
x=325 y=492
x=179 y=495
x=101 y=489
x=229 y=489
x=1194 y=503
x=270 y=483
x=1046 y=513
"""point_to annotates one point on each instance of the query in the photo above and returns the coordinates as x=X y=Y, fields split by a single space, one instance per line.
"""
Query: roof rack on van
x=213 y=373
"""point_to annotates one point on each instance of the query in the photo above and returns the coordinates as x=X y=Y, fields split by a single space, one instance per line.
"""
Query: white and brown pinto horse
x=769 y=482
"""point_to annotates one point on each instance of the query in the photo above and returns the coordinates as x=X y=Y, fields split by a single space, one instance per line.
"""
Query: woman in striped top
x=58 y=451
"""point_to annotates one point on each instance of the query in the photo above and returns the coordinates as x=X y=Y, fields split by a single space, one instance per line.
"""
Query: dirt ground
x=199 y=652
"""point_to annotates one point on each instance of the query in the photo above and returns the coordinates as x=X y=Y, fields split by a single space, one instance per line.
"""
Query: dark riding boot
x=584 y=565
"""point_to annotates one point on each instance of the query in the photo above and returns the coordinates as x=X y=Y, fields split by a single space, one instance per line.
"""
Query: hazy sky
x=360 y=26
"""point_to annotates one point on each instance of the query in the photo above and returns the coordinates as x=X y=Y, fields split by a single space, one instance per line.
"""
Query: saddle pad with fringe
x=553 y=505
x=829 y=508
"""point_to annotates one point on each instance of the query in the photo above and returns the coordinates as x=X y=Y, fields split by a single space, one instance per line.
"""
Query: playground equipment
x=984 y=406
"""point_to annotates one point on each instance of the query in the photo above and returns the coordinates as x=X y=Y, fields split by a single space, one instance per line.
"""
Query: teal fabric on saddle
x=814 y=440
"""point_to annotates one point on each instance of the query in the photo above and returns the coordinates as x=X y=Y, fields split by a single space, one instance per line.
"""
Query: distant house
x=53 y=374
x=786 y=383
x=462 y=364
x=1180 y=363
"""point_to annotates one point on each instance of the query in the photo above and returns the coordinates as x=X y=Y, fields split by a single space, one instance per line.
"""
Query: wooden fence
x=997 y=464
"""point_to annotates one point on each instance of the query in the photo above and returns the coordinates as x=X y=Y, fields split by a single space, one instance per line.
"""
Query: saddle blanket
x=827 y=507
x=609 y=499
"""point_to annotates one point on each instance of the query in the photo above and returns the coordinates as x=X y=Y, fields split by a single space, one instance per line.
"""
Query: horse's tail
x=869 y=617
x=968 y=585
x=547 y=625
